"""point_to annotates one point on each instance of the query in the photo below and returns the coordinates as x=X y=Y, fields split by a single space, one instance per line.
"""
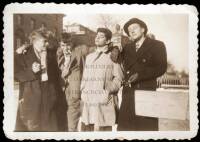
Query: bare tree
x=183 y=73
x=171 y=68
x=107 y=21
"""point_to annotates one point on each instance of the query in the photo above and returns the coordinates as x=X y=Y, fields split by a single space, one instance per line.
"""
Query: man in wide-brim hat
x=144 y=60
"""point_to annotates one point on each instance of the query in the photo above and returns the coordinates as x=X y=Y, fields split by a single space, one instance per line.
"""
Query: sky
x=172 y=29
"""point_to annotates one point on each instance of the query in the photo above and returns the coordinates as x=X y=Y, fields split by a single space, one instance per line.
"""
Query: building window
x=19 y=37
x=19 y=19
x=18 y=42
x=32 y=24
x=43 y=26
x=55 y=31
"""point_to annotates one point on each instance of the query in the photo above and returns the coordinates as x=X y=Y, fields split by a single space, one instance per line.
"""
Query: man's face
x=101 y=40
x=39 y=43
x=66 y=47
x=135 y=31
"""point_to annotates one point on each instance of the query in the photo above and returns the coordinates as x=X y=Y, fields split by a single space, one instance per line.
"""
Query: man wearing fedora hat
x=144 y=60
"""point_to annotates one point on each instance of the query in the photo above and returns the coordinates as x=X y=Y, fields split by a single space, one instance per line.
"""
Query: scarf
x=42 y=56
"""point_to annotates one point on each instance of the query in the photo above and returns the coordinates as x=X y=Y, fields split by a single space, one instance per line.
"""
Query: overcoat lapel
x=144 y=47
x=141 y=51
x=130 y=55
x=73 y=61
x=30 y=57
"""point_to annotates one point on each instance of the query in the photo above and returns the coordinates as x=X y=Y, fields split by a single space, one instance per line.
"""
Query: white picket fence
x=176 y=83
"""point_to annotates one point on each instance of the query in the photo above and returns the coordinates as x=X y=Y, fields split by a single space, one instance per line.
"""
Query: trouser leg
x=105 y=128
x=19 y=126
x=73 y=115
x=48 y=115
x=72 y=93
x=61 y=107
x=87 y=128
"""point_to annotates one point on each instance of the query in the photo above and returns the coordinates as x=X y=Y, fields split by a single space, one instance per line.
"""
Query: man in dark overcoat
x=144 y=60
x=37 y=73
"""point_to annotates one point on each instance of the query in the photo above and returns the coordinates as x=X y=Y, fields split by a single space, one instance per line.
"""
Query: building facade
x=24 y=24
x=81 y=34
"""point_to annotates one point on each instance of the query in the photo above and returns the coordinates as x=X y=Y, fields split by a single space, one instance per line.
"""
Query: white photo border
x=13 y=8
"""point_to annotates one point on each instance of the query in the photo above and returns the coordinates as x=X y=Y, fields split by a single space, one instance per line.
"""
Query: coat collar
x=102 y=49
x=73 y=60
x=140 y=42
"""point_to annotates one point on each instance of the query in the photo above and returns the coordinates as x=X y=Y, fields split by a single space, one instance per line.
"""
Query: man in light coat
x=101 y=79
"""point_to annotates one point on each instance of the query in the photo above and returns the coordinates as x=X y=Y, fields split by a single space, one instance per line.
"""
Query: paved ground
x=164 y=124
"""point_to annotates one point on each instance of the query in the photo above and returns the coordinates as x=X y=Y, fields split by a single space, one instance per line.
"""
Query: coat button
x=128 y=72
x=143 y=60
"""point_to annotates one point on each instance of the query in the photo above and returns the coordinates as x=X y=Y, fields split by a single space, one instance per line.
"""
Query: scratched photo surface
x=127 y=74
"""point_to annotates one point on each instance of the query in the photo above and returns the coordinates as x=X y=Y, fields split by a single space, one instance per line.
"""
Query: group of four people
x=58 y=87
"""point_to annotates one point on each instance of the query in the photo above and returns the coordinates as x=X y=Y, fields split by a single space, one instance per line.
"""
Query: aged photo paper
x=102 y=71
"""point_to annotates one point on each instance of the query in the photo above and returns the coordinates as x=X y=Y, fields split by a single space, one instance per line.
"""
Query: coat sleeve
x=84 y=74
x=159 y=65
x=113 y=84
x=23 y=73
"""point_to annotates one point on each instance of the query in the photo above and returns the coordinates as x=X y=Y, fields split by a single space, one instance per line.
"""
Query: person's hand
x=67 y=51
x=133 y=78
x=66 y=48
x=115 y=54
x=126 y=83
x=21 y=49
x=36 y=67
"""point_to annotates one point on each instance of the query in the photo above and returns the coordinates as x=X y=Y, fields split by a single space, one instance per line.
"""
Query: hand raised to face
x=66 y=48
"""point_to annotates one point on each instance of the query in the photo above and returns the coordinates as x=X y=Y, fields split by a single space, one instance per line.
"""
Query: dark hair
x=66 y=37
x=137 y=21
x=107 y=32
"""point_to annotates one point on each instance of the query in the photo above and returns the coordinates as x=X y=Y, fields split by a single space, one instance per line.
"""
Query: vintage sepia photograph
x=71 y=70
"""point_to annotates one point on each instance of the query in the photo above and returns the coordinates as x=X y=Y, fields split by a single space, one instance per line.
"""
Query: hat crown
x=135 y=20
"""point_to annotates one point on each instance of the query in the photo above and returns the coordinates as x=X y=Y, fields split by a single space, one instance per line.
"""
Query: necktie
x=137 y=46
x=99 y=54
